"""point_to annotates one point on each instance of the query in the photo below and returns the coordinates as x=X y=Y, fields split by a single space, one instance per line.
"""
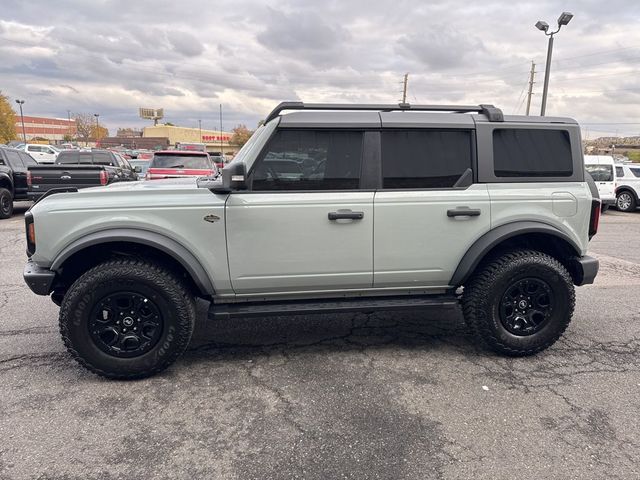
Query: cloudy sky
x=113 y=56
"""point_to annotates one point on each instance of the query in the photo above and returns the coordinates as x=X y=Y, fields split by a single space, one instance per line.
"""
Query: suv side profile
x=13 y=178
x=627 y=187
x=359 y=208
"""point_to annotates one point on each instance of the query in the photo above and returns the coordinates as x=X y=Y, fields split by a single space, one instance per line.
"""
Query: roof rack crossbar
x=492 y=113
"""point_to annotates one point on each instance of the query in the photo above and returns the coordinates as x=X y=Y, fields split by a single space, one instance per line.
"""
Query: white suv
x=333 y=208
x=627 y=187
x=41 y=153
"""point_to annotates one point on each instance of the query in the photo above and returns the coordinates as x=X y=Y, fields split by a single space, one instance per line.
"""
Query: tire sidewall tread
x=482 y=295
x=171 y=295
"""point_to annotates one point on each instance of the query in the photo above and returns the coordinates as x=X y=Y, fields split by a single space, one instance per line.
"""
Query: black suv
x=13 y=178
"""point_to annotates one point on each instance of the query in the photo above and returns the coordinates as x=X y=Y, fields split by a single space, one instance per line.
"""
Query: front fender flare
x=144 y=237
x=489 y=240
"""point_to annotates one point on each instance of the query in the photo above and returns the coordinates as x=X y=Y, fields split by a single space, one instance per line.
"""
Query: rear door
x=429 y=210
x=306 y=224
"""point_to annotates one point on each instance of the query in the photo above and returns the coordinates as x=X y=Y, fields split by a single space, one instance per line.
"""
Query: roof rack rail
x=492 y=113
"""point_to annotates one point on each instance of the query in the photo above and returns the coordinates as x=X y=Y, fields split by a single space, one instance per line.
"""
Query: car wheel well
x=87 y=258
x=550 y=244
x=4 y=183
x=619 y=190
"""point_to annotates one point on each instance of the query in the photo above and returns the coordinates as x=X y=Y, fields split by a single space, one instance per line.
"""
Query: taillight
x=104 y=177
x=29 y=179
x=31 y=233
x=594 y=221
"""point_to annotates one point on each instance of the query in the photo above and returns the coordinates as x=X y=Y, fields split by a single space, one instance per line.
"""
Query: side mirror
x=137 y=169
x=234 y=177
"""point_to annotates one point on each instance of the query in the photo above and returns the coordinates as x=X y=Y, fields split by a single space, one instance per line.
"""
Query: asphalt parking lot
x=333 y=396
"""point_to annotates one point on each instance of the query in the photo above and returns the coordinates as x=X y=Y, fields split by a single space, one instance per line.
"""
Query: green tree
x=241 y=135
x=7 y=120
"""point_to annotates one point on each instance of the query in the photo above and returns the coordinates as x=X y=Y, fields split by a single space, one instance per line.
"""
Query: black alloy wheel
x=125 y=324
x=526 y=306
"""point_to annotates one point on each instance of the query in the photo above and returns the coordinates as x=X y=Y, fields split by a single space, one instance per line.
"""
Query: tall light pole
x=200 y=128
x=563 y=19
x=24 y=135
x=97 y=115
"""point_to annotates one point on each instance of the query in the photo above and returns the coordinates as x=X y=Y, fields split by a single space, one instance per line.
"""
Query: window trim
x=473 y=166
x=263 y=151
x=486 y=173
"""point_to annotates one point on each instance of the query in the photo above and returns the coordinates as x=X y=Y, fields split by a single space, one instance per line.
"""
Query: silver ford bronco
x=329 y=208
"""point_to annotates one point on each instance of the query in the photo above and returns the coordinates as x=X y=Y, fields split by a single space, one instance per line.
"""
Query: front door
x=305 y=225
x=429 y=211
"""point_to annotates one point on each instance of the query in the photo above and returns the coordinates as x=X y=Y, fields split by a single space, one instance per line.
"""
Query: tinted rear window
x=170 y=160
x=600 y=173
x=520 y=152
x=67 y=157
x=424 y=158
x=102 y=158
x=619 y=172
x=635 y=171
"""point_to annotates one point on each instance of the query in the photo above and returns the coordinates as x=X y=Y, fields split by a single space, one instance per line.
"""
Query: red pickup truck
x=180 y=163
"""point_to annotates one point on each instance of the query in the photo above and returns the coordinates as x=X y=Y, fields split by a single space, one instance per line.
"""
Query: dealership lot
x=386 y=395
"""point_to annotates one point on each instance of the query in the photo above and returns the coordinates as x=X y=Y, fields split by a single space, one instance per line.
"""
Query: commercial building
x=52 y=129
x=214 y=140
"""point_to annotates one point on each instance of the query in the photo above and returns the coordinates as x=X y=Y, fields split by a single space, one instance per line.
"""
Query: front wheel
x=127 y=319
x=519 y=303
x=626 y=202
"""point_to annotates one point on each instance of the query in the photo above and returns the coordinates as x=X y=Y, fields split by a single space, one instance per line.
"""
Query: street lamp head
x=564 y=18
x=21 y=102
x=540 y=25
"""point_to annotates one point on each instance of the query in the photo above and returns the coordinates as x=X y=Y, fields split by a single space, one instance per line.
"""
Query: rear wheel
x=127 y=319
x=519 y=303
x=6 y=203
x=626 y=202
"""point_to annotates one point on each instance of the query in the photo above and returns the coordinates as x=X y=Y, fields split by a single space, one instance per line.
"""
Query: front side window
x=522 y=152
x=600 y=173
x=103 y=158
x=424 y=158
x=310 y=160
x=34 y=148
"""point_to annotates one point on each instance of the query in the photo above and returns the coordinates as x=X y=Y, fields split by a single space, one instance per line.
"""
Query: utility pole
x=200 y=128
x=221 y=152
x=404 y=88
x=24 y=135
x=531 y=82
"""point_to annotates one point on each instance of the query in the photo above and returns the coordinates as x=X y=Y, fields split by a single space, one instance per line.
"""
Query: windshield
x=143 y=164
x=171 y=160
x=601 y=173
x=257 y=140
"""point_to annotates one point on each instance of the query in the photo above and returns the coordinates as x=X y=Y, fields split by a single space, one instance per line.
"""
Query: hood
x=168 y=193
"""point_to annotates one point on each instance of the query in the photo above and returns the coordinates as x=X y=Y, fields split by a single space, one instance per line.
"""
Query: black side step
x=332 y=305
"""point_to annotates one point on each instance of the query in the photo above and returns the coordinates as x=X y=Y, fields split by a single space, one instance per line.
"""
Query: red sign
x=215 y=138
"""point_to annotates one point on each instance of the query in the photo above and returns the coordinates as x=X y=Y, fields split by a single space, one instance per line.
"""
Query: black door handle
x=346 y=214
x=463 y=212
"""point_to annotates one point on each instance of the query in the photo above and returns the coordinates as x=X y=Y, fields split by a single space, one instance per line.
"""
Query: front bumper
x=40 y=280
x=584 y=270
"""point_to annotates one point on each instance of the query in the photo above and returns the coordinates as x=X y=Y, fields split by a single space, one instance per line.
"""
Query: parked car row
x=618 y=184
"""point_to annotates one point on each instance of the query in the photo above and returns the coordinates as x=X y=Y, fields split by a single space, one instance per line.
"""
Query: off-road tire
x=6 y=203
x=484 y=291
x=627 y=206
x=141 y=277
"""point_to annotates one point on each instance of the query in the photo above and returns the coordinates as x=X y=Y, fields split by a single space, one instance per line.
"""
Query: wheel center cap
x=522 y=304
x=127 y=321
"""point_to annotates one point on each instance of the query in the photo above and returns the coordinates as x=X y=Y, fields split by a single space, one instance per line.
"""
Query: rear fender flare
x=494 y=237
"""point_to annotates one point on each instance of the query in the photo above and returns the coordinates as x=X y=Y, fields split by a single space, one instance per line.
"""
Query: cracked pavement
x=385 y=395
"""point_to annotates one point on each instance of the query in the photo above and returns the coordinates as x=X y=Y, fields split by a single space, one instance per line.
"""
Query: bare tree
x=84 y=126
